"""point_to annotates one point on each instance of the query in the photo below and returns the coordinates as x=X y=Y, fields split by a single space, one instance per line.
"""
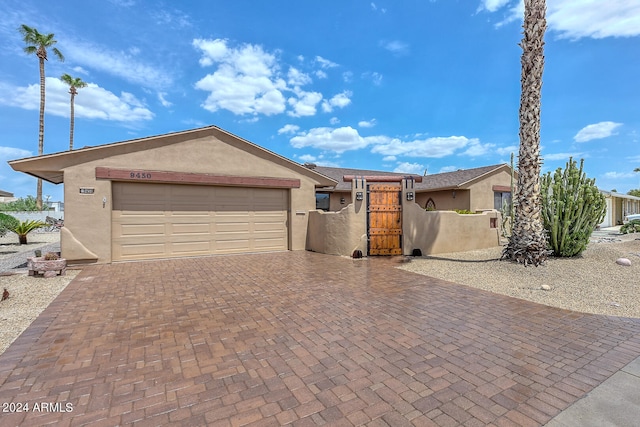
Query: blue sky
x=403 y=85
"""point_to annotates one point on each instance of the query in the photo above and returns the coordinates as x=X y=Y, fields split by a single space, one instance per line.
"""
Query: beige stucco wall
x=482 y=191
x=88 y=221
x=445 y=200
x=438 y=232
x=340 y=232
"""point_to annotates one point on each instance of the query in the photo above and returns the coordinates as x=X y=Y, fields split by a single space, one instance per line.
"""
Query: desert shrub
x=51 y=256
x=632 y=226
x=7 y=223
x=572 y=207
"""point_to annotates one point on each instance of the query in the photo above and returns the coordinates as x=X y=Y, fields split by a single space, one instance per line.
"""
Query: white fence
x=36 y=216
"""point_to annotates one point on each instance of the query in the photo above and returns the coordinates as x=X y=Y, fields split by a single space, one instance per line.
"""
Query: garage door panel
x=141 y=230
x=168 y=220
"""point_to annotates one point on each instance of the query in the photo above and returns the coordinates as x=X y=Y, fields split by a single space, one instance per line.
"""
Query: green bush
x=464 y=212
x=632 y=226
x=572 y=207
x=27 y=204
x=7 y=223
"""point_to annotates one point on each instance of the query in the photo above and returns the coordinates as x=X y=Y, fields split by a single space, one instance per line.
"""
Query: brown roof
x=5 y=194
x=439 y=181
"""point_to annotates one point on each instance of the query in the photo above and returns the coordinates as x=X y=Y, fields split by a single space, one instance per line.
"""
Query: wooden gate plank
x=385 y=219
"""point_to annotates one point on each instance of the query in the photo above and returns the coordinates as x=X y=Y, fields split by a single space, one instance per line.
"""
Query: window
x=322 y=201
x=431 y=205
x=501 y=199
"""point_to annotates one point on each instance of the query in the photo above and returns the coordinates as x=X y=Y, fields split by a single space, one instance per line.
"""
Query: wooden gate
x=384 y=219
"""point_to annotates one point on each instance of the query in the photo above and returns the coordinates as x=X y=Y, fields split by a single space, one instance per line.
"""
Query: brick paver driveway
x=300 y=338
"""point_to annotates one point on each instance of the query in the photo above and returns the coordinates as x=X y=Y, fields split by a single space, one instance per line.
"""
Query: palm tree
x=528 y=242
x=37 y=44
x=74 y=83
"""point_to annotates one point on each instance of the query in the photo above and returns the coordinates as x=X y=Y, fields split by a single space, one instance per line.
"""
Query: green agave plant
x=26 y=227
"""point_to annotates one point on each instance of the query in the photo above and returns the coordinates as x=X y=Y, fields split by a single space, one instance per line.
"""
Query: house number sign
x=87 y=190
x=140 y=175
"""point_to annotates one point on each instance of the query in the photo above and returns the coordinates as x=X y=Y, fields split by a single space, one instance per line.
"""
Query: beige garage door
x=169 y=220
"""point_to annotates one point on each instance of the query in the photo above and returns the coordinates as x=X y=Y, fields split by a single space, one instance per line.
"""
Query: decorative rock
x=624 y=261
x=545 y=287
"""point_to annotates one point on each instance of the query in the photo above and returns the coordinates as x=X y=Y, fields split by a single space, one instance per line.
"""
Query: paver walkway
x=300 y=338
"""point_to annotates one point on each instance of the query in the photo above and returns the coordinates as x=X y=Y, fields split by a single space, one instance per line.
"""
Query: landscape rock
x=545 y=287
x=624 y=261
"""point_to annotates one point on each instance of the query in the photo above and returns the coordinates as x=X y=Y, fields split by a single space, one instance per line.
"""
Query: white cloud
x=325 y=63
x=561 y=156
x=334 y=120
x=288 y=129
x=395 y=46
x=340 y=100
x=321 y=74
x=121 y=64
x=305 y=104
x=163 y=100
x=338 y=140
x=297 y=78
x=11 y=153
x=389 y=159
x=618 y=175
x=412 y=168
x=448 y=169
x=577 y=19
x=347 y=138
x=507 y=150
x=367 y=123
x=80 y=70
x=435 y=147
x=245 y=81
x=92 y=102
x=307 y=158
x=347 y=76
x=375 y=77
x=492 y=5
x=596 y=131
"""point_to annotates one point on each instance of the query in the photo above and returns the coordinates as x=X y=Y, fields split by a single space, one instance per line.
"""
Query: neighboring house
x=475 y=189
x=619 y=206
x=197 y=192
x=6 y=197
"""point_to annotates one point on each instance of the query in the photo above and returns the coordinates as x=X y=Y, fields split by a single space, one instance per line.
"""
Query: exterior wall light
x=454 y=194
x=342 y=201
x=359 y=195
x=409 y=196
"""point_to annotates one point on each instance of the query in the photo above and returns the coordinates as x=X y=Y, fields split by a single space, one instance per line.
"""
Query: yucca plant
x=25 y=227
x=572 y=207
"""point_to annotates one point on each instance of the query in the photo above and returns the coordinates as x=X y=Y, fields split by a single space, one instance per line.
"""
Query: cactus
x=572 y=207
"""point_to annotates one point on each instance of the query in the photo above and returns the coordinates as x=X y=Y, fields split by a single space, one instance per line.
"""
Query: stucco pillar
x=359 y=200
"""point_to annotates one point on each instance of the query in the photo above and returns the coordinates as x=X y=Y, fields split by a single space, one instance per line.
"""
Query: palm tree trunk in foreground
x=41 y=56
x=528 y=243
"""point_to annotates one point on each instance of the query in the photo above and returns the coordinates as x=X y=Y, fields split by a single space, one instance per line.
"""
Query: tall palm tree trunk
x=72 y=91
x=528 y=243
x=42 y=56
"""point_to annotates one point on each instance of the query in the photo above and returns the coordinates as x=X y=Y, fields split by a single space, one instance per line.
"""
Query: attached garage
x=173 y=220
x=192 y=193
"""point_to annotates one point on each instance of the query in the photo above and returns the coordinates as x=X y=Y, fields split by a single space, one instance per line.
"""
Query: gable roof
x=5 y=194
x=459 y=179
x=50 y=167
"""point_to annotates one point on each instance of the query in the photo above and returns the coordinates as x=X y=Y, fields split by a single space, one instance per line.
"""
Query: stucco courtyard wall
x=338 y=233
x=436 y=232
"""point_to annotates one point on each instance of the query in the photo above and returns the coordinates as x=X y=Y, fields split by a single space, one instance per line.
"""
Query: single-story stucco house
x=477 y=189
x=206 y=191
x=196 y=192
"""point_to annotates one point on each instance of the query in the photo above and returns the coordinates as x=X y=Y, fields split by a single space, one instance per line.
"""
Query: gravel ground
x=28 y=295
x=589 y=283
